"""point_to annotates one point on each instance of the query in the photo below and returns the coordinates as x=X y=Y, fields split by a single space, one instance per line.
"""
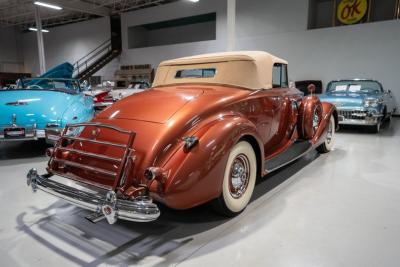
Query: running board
x=295 y=151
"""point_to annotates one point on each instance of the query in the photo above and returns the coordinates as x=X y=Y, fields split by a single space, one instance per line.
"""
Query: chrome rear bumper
x=104 y=203
x=31 y=133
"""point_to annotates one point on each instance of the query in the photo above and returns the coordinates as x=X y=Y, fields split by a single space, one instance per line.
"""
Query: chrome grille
x=353 y=114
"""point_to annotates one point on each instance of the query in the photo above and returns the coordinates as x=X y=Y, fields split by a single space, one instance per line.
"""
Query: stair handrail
x=106 y=45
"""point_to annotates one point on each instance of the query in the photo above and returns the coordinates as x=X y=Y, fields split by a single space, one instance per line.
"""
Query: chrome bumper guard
x=104 y=203
x=52 y=135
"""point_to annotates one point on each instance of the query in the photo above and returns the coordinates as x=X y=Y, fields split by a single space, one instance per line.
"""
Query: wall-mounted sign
x=351 y=11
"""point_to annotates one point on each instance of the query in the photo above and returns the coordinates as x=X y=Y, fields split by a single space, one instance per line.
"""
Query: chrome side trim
x=140 y=209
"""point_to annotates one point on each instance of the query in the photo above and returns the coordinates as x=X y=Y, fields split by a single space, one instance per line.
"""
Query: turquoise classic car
x=41 y=107
x=360 y=102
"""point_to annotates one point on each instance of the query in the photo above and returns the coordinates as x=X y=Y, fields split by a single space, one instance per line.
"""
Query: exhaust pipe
x=95 y=217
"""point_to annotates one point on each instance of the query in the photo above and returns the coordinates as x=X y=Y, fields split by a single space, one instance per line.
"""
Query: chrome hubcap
x=239 y=176
x=315 y=121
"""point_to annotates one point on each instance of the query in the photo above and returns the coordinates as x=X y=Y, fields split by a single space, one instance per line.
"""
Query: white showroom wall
x=368 y=50
x=65 y=43
x=11 y=59
x=154 y=55
x=280 y=26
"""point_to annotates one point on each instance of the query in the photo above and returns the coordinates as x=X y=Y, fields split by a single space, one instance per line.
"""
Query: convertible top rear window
x=195 y=73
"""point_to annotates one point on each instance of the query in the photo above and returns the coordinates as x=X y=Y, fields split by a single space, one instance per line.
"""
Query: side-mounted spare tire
x=310 y=116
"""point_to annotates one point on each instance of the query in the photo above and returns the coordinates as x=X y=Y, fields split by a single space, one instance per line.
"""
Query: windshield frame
x=20 y=85
x=351 y=82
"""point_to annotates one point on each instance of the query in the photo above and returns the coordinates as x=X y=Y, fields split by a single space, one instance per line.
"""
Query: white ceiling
x=21 y=12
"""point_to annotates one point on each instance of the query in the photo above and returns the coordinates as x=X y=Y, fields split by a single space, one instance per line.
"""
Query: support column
x=39 y=34
x=231 y=24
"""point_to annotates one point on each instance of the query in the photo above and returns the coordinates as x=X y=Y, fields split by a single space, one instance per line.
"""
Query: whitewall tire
x=376 y=128
x=329 y=142
x=239 y=180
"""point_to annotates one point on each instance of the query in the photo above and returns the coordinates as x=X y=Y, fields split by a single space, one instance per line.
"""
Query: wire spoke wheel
x=239 y=176
x=316 y=121
x=239 y=180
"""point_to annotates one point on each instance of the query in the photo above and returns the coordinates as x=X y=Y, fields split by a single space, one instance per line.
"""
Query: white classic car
x=107 y=95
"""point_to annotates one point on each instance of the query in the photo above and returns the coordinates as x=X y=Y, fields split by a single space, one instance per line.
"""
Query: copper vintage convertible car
x=207 y=129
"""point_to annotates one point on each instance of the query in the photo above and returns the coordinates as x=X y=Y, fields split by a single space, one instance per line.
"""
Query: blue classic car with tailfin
x=360 y=102
x=41 y=107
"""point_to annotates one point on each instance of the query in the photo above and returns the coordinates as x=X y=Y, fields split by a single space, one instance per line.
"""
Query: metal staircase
x=96 y=59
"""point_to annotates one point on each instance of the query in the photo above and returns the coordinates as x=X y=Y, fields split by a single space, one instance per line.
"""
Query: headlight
x=372 y=102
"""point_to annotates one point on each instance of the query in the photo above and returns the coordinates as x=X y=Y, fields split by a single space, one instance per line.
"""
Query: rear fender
x=196 y=177
x=78 y=112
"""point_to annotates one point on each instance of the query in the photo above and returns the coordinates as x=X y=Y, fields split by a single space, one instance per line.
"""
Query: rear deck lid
x=155 y=105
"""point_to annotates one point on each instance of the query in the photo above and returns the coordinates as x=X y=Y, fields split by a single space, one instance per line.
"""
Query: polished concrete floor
x=337 y=209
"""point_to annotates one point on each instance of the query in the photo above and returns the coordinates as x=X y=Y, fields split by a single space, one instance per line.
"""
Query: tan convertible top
x=247 y=69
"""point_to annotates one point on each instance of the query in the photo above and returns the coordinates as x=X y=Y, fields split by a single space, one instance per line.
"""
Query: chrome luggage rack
x=105 y=202
x=121 y=161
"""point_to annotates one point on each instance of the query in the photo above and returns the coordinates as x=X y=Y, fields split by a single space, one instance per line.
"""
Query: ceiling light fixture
x=35 y=30
x=194 y=1
x=47 y=5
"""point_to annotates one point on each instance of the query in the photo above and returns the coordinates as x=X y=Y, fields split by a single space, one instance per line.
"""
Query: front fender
x=196 y=177
x=328 y=110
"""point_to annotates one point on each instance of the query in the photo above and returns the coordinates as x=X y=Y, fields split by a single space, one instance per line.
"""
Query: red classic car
x=210 y=126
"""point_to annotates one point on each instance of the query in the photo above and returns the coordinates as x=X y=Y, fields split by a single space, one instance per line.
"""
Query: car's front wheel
x=239 y=180
x=377 y=127
x=327 y=145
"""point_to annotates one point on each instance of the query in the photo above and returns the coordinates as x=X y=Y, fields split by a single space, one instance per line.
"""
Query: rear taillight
x=102 y=97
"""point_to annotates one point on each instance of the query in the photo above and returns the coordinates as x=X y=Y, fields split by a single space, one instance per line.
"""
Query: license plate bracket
x=14 y=132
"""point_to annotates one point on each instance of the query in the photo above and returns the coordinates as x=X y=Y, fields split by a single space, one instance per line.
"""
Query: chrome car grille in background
x=353 y=114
